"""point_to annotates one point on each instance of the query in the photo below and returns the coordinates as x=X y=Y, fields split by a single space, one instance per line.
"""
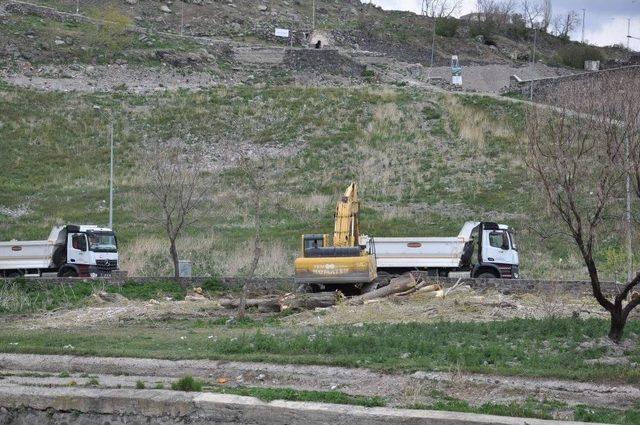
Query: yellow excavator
x=340 y=261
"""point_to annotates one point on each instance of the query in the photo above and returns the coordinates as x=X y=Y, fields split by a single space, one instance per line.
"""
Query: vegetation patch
x=560 y=347
x=187 y=383
x=269 y=394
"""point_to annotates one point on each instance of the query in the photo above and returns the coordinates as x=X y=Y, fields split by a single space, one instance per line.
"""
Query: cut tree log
x=430 y=288
x=264 y=303
x=302 y=301
x=405 y=283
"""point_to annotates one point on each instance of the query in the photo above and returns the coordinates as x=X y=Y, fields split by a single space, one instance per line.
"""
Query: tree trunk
x=399 y=284
x=174 y=258
x=618 y=321
x=301 y=301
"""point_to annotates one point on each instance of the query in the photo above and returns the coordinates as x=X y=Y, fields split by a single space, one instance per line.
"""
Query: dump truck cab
x=69 y=251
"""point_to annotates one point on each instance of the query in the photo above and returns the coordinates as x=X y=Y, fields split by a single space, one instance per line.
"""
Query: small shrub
x=93 y=382
x=431 y=112
x=112 y=34
x=575 y=54
x=188 y=383
x=64 y=375
x=368 y=73
x=447 y=27
x=159 y=386
x=213 y=284
x=140 y=385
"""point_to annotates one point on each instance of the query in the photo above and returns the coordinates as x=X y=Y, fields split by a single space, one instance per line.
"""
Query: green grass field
x=525 y=347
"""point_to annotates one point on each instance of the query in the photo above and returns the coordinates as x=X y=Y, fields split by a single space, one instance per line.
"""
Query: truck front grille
x=107 y=264
x=505 y=271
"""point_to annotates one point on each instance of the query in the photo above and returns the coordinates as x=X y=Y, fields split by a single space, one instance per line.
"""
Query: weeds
x=269 y=394
x=187 y=383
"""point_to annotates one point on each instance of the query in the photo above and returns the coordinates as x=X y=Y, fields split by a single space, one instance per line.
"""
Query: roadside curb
x=52 y=405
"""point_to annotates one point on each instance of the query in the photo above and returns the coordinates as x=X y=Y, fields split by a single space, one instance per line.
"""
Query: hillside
x=426 y=160
x=347 y=24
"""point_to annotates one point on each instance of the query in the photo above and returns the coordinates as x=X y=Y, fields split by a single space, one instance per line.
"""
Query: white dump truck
x=494 y=246
x=70 y=251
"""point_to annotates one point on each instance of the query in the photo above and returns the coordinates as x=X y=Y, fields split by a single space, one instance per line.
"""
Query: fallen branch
x=406 y=282
x=453 y=287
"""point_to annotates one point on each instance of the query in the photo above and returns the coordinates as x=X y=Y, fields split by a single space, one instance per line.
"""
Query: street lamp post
x=182 y=17
x=111 y=176
x=533 y=61
x=584 y=14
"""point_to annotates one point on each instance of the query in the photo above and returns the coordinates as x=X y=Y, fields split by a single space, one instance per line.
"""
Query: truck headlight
x=93 y=274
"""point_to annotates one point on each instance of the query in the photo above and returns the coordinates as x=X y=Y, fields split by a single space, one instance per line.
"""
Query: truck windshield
x=102 y=242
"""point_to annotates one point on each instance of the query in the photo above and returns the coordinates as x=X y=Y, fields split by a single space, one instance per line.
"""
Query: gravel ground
x=494 y=78
x=110 y=78
x=399 y=389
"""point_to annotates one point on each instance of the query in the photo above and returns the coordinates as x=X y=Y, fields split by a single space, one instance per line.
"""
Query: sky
x=605 y=23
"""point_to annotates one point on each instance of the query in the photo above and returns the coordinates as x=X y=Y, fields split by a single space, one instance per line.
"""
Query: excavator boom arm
x=347 y=219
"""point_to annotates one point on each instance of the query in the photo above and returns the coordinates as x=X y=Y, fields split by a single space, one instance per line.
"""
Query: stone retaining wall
x=86 y=406
x=286 y=284
x=546 y=89
x=324 y=61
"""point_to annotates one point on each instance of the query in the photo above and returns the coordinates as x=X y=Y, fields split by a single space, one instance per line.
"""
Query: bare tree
x=175 y=184
x=533 y=11
x=440 y=8
x=578 y=152
x=497 y=12
x=564 y=24
x=253 y=175
x=547 y=15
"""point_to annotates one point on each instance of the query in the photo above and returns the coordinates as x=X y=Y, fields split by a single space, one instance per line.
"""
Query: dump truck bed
x=15 y=255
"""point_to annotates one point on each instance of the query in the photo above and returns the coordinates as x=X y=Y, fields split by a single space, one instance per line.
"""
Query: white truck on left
x=70 y=251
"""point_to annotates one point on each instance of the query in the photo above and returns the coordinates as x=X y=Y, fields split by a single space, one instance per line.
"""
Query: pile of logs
x=401 y=286
x=288 y=301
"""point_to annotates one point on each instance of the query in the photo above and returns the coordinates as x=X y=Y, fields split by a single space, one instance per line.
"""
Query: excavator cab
x=338 y=260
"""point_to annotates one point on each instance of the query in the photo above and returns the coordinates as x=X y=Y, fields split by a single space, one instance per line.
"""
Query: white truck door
x=495 y=244
x=77 y=249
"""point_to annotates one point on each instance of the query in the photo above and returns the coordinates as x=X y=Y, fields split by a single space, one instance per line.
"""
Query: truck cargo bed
x=428 y=252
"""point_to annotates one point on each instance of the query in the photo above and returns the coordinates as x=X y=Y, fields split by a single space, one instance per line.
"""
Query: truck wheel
x=69 y=273
x=486 y=275
x=14 y=274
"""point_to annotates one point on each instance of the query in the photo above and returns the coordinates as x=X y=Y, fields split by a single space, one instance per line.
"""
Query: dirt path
x=398 y=389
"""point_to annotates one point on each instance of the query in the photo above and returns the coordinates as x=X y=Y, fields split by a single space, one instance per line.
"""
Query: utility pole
x=111 y=177
x=584 y=14
x=77 y=7
x=313 y=15
x=433 y=39
x=533 y=61
x=628 y=217
x=182 y=17
x=628 y=32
